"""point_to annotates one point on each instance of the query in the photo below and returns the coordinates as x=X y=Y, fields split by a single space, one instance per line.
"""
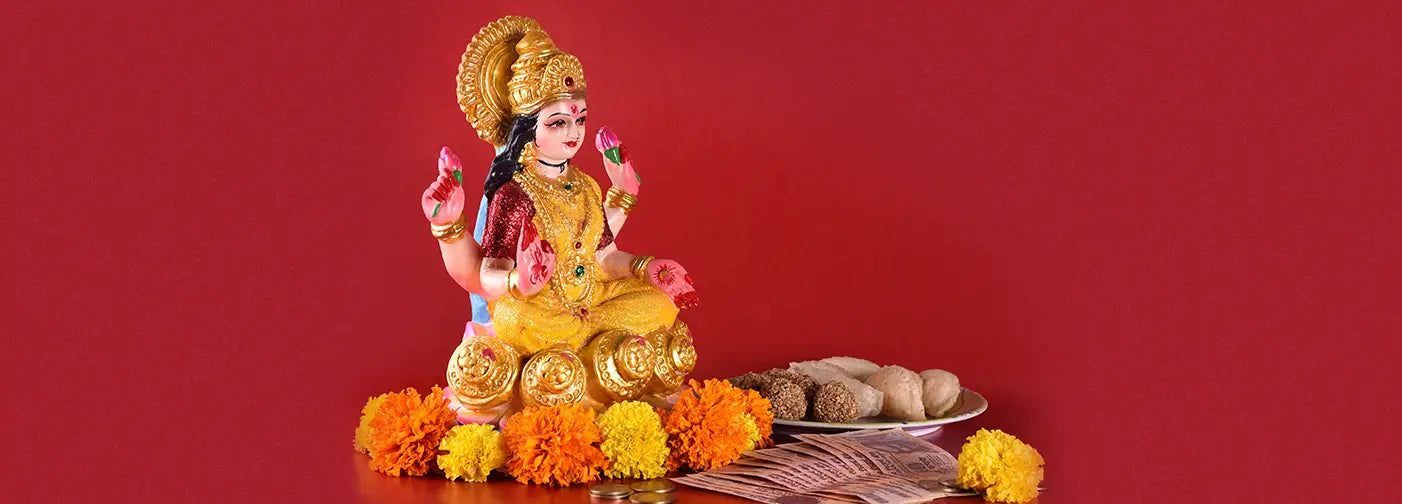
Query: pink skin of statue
x=674 y=281
x=559 y=132
x=535 y=261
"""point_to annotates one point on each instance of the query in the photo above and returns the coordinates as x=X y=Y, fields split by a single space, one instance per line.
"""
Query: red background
x=1164 y=242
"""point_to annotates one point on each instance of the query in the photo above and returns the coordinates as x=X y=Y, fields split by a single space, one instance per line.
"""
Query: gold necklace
x=565 y=214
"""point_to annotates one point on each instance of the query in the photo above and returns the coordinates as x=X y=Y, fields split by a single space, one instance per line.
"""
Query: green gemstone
x=579 y=271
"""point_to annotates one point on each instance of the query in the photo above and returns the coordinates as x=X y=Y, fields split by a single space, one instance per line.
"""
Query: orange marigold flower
x=707 y=427
x=406 y=431
x=557 y=445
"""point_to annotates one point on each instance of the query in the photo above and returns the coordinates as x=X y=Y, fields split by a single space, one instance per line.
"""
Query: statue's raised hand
x=616 y=161
x=535 y=261
x=674 y=281
x=443 y=200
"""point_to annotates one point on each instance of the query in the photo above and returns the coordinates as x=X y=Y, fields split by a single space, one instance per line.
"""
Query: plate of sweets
x=846 y=393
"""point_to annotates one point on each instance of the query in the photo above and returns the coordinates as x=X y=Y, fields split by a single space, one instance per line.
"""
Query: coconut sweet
x=901 y=390
x=939 y=392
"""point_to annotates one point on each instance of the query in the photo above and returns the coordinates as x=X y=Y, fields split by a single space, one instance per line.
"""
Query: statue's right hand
x=443 y=200
x=535 y=261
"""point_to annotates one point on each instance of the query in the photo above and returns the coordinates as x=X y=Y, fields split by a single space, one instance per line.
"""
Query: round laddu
x=748 y=381
x=834 y=403
x=803 y=381
x=786 y=400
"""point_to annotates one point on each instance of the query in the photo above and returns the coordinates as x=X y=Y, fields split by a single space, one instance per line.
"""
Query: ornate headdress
x=512 y=67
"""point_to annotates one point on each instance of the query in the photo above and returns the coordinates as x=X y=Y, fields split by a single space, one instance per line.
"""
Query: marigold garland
x=708 y=426
x=406 y=430
x=1001 y=466
x=363 y=432
x=471 y=452
x=634 y=442
x=554 y=445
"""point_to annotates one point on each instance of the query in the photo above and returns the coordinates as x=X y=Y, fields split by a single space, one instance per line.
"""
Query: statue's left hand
x=621 y=173
x=674 y=281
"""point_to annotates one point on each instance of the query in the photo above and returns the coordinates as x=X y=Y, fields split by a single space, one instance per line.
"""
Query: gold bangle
x=450 y=232
x=621 y=200
x=639 y=265
x=513 y=285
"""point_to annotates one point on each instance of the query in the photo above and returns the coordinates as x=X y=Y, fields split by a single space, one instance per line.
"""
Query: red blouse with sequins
x=510 y=211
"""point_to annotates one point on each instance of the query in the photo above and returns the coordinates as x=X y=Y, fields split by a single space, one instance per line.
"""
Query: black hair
x=505 y=165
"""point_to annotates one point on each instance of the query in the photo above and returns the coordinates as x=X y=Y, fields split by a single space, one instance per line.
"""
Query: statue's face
x=559 y=130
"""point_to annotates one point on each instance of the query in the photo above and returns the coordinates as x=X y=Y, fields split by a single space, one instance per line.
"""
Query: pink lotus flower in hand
x=617 y=163
x=607 y=142
x=443 y=201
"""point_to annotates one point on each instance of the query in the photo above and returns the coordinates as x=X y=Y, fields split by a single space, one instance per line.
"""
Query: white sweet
x=820 y=371
x=901 y=389
x=856 y=368
x=869 y=400
x=940 y=392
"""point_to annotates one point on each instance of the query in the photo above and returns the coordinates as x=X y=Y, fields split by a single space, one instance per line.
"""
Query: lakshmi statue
x=561 y=314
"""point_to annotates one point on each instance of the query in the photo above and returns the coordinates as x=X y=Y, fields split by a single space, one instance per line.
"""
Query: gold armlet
x=639 y=265
x=618 y=199
x=450 y=232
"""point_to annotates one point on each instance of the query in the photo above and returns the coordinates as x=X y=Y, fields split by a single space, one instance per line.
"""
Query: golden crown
x=512 y=67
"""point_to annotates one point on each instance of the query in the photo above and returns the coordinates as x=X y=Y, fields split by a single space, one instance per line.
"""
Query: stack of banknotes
x=870 y=466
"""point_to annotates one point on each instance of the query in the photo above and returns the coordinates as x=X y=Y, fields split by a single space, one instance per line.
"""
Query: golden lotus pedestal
x=489 y=378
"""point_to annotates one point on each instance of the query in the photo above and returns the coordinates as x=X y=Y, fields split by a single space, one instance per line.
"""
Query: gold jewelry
x=639 y=265
x=513 y=285
x=450 y=232
x=619 y=199
x=511 y=67
x=569 y=216
x=567 y=180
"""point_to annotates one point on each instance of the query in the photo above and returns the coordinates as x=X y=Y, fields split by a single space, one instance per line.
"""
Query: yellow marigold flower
x=752 y=437
x=1001 y=466
x=364 y=434
x=757 y=407
x=634 y=441
x=473 y=450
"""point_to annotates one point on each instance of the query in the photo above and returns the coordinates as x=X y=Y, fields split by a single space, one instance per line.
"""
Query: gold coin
x=657 y=485
x=652 y=498
x=610 y=490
